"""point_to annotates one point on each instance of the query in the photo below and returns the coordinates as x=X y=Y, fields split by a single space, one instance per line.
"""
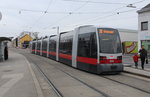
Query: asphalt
x=18 y=78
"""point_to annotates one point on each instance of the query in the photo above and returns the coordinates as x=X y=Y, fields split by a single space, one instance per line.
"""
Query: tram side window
x=44 y=45
x=52 y=45
x=38 y=45
x=33 y=46
x=87 y=45
x=66 y=45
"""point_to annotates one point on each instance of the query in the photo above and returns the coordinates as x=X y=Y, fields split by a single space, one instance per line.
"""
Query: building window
x=144 y=25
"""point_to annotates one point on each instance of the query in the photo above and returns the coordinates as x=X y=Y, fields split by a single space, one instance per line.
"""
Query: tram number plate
x=111 y=61
x=113 y=67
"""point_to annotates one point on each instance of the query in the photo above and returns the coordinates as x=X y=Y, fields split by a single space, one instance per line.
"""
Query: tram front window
x=109 y=41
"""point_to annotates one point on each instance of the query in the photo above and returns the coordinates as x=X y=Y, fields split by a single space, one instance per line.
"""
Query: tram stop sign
x=0 y=16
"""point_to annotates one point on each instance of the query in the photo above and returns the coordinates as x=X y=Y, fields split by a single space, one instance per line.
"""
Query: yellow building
x=25 y=40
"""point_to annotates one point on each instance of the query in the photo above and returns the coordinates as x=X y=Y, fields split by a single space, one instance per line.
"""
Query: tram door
x=87 y=52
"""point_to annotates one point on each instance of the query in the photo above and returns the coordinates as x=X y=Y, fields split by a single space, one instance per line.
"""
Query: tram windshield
x=109 y=41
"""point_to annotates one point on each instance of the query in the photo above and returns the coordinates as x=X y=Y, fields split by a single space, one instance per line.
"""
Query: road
x=71 y=82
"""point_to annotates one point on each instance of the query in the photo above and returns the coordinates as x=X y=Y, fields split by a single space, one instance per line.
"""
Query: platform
x=137 y=71
x=17 y=78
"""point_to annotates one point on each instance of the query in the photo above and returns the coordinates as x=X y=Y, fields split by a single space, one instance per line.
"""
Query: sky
x=44 y=16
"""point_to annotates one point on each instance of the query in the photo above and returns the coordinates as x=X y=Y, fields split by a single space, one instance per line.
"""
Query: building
x=144 y=27
x=129 y=39
x=25 y=40
x=128 y=35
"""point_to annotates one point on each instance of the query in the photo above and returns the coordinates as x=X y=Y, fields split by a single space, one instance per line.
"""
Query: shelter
x=4 y=48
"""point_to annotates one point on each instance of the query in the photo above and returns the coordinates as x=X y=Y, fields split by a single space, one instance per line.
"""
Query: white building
x=144 y=27
x=128 y=35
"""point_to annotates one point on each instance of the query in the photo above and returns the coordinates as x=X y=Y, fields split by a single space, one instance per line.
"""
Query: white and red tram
x=88 y=48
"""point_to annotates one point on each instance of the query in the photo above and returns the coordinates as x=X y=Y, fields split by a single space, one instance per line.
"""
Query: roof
x=4 y=38
x=25 y=35
x=127 y=30
x=145 y=9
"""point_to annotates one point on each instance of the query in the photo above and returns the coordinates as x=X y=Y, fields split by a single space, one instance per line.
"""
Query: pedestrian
x=143 y=56
x=135 y=59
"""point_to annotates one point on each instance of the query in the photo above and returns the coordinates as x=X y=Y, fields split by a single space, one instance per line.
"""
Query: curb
x=127 y=65
x=142 y=75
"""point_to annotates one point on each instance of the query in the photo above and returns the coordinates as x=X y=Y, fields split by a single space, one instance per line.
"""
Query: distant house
x=144 y=27
x=25 y=40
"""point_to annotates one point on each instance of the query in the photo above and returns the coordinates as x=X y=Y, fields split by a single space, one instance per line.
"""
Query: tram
x=90 y=48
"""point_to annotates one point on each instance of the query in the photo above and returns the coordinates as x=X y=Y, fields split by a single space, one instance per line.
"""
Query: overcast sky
x=43 y=15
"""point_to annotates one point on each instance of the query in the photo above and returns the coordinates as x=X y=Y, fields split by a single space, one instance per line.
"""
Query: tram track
x=111 y=80
x=57 y=90
x=90 y=86
x=126 y=84
x=58 y=93
x=148 y=92
x=104 y=94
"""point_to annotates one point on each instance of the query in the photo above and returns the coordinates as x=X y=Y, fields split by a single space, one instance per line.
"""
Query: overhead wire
x=77 y=9
x=119 y=12
x=73 y=12
x=36 y=21
x=99 y=19
x=93 y=2
x=66 y=15
x=139 y=1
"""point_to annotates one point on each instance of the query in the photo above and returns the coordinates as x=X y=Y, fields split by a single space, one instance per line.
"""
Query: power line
x=103 y=17
x=86 y=2
x=69 y=12
x=49 y=5
x=115 y=13
x=93 y=2
x=139 y=1
x=43 y=13
x=67 y=15
x=56 y=22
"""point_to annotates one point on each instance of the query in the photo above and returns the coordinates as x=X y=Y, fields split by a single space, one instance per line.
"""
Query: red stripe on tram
x=52 y=53
x=66 y=56
x=92 y=61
